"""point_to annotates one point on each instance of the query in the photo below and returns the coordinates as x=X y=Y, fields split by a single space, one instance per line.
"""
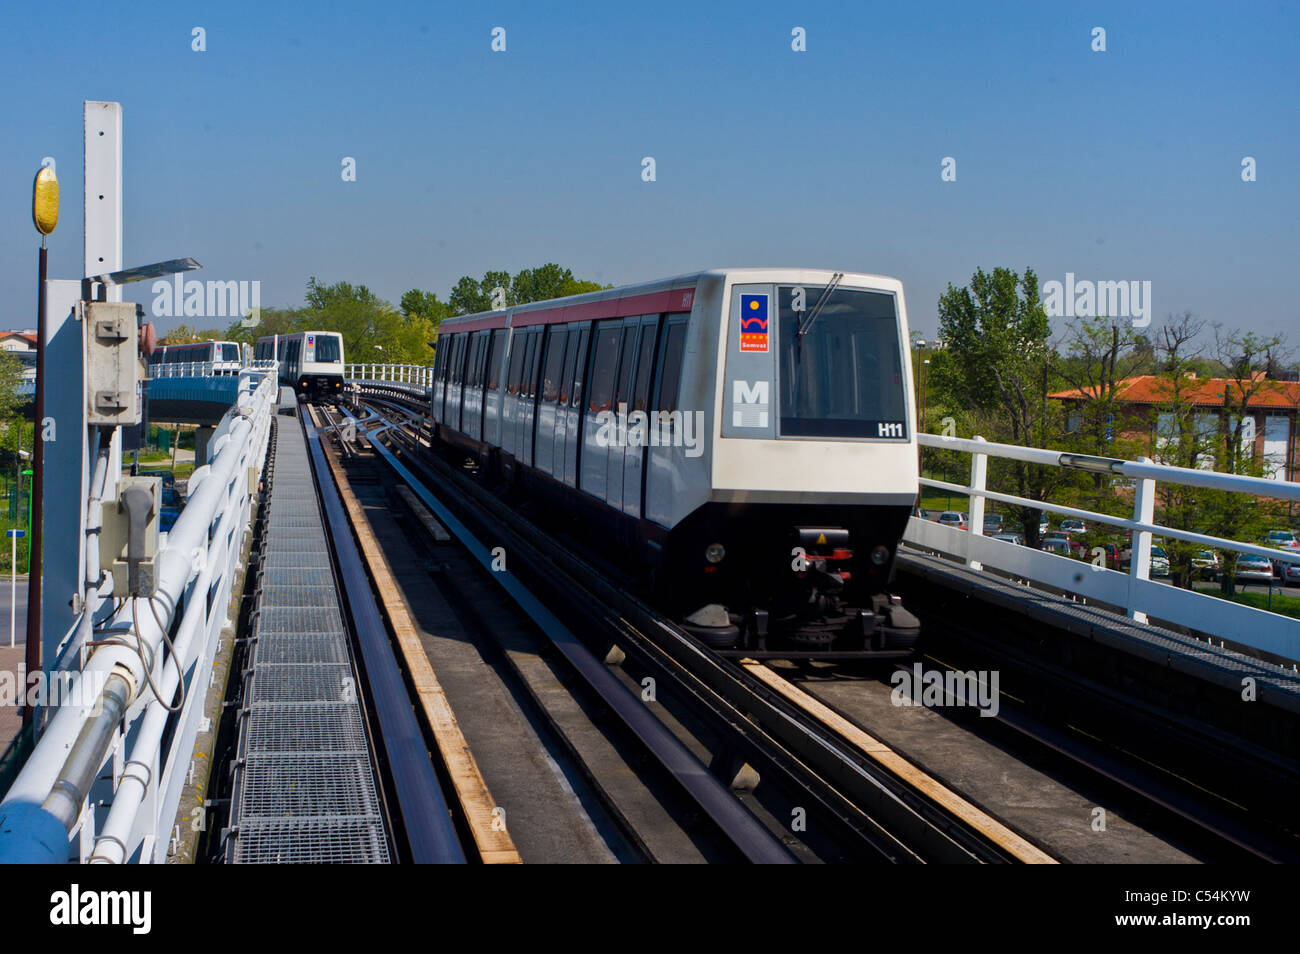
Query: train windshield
x=327 y=349
x=844 y=376
x=230 y=352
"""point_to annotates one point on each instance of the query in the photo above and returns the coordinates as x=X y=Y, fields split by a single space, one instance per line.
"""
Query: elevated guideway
x=304 y=787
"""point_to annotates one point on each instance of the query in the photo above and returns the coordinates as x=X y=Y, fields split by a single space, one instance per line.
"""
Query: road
x=20 y=637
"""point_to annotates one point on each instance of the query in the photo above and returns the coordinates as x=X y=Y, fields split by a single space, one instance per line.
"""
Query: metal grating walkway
x=304 y=788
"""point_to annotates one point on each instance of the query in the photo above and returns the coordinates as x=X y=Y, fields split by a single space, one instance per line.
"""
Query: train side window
x=480 y=365
x=566 y=376
x=517 y=349
x=644 y=362
x=604 y=364
x=671 y=369
x=627 y=355
x=528 y=384
x=475 y=371
x=535 y=365
x=457 y=344
x=439 y=360
x=554 y=366
x=580 y=363
x=494 y=360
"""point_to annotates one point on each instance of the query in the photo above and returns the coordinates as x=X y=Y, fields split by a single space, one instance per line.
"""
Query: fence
x=1140 y=597
x=104 y=779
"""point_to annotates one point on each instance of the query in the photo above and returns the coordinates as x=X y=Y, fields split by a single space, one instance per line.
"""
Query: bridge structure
x=278 y=560
x=114 y=798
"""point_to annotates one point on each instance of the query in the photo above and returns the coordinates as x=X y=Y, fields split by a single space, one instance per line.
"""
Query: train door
x=547 y=406
x=472 y=421
x=492 y=390
x=602 y=370
x=454 y=377
x=510 y=400
x=662 y=476
x=622 y=394
x=439 y=388
x=568 y=432
x=638 y=422
x=528 y=390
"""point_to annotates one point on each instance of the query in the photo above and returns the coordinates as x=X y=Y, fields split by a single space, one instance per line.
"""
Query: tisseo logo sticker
x=753 y=323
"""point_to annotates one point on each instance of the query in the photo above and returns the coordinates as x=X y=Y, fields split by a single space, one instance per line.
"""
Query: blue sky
x=1122 y=165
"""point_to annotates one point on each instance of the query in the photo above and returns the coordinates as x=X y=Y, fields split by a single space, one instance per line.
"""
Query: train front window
x=844 y=376
x=327 y=349
x=230 y=352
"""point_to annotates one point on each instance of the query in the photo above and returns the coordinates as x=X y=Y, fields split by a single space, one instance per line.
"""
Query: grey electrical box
x=115 y=539
x=112 y=363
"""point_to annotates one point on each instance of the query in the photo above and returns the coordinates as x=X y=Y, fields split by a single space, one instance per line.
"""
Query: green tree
x=1179 y=438
x=468 y=298
x=373 y=331
x=422 y=304
x=998 y=366
x=271 y=321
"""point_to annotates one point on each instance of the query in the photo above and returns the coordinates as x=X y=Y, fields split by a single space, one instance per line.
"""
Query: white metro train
x=311 y=362
x=225 y=357
x=741 y=439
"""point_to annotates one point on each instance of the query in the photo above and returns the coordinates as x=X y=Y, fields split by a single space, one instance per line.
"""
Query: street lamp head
x=45 y=201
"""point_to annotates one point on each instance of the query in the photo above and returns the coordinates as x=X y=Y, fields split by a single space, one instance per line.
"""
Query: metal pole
x=13 y=587
x=37 y=507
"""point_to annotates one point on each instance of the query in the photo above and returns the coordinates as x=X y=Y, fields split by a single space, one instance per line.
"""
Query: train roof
x=294 y=334
x=644 y=297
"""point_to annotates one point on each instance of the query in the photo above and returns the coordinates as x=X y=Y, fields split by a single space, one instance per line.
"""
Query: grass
x=1285 y=605
x=932 y=499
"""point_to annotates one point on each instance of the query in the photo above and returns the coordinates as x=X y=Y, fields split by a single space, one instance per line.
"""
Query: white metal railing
x=104 y=780
x=414 y=374
x=206 y=369
x=1141 y=597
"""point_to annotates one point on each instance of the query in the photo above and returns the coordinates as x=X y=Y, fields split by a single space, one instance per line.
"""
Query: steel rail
x=803 y=740
x=754 y=841
x=425 y=816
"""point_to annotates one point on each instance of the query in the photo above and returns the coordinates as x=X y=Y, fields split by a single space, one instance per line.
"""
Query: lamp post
x=45 y=216
x=28 y=475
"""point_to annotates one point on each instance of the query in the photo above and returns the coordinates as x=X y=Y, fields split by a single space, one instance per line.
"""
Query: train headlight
x=714 y=552
x=880 y=555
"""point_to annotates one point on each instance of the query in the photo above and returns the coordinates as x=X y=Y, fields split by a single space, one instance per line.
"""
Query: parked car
x=1111 y=555
x=1253 y=569
x=1159 y=562
x=1282 y=539
x=1058 y=546
x=1015 y=538
x=1291 y=574
x=171 y=508
x=1073 y=526
x=1205 y=565
x=993 y=523
x=168 y=478
x=951 y=518
x=1042 y=524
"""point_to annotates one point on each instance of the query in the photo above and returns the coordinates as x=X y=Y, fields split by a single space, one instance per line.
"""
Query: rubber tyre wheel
x=715 y=637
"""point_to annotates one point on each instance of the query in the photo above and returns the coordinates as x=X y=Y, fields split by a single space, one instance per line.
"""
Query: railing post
x=979 y=468
x=1144 y=510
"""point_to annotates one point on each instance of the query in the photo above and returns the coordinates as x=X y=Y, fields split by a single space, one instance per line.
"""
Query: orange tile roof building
x=1273 y=407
